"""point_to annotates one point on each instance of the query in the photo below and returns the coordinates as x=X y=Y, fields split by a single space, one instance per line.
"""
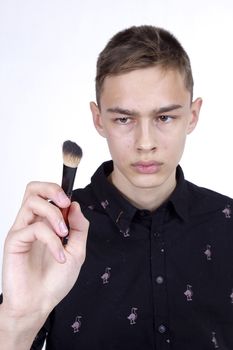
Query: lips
x=147 y=167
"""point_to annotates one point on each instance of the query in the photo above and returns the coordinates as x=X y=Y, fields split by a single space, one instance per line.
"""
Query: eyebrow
x=119 y=110
x=169 y=108
x=128 y=112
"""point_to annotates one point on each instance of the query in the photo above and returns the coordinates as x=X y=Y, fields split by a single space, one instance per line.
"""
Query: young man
x=158 y=272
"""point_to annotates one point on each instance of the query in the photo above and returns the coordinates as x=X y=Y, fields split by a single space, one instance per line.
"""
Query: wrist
x=18 y=332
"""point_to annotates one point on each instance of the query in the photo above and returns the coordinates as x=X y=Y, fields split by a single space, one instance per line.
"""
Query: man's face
x=145 y=116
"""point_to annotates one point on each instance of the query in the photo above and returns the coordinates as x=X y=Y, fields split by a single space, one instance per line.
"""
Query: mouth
x=147 y=167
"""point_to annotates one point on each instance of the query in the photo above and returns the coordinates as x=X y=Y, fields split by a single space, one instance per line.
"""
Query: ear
x=97 y=119
x=195 y=111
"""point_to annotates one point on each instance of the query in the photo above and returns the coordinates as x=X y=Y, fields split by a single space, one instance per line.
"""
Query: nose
x=145 y=139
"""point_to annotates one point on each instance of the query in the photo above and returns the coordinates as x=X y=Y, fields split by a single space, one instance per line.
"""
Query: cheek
x=119 y=146
x=174 y=145
x=119 y=139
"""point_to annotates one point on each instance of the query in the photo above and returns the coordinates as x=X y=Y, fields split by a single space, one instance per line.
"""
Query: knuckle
x=53 y=188
x=29 y=201
x=42 y=188
x=30 y=189
x=31 y=185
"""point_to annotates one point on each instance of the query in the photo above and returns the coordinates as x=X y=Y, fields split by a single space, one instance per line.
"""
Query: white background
x=48 y=51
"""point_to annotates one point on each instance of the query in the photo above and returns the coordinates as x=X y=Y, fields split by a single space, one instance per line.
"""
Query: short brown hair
x=142 y=47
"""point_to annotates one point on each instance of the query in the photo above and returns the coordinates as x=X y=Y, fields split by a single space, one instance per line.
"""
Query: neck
x=146 y=198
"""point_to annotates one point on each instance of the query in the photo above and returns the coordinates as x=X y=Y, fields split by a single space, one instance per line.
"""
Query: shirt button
x=156 y=234
x=162 y=329
x=159 y=279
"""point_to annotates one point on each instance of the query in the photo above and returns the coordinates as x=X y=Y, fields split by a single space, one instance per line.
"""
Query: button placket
x=159 y=277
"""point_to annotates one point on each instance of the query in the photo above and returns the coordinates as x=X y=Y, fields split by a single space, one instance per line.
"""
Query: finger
x=78 y=232
x=47 y=190
x=77 y=220
x=36 y=207
x=21 y=242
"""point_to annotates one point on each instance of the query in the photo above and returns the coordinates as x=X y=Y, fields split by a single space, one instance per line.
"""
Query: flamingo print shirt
x=150 y=281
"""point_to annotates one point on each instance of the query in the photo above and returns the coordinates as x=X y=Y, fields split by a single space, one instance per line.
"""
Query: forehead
x=154 y=85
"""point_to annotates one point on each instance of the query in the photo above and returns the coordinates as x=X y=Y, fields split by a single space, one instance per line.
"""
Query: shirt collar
x=117 y=207
x=180 y=196
x=120 y=210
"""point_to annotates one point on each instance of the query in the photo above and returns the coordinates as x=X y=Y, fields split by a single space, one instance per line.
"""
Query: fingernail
x=63 y=228
x=62 y=197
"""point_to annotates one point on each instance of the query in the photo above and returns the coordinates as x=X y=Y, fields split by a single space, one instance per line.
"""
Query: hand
x=37 y=270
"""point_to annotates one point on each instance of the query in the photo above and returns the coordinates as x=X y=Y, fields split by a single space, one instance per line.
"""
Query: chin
x=146 y=182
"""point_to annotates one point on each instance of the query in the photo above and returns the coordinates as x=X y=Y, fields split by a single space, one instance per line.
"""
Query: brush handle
x=65 y=213
x=68 y=177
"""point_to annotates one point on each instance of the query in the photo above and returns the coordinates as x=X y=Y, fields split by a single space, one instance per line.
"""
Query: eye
x=165 y=118
x=123 y=120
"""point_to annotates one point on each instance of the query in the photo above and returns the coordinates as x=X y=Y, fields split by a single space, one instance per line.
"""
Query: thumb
x=78 y=230
x=77 y=220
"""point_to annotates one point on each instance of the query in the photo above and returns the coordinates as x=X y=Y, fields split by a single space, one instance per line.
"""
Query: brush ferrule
x=68 y=178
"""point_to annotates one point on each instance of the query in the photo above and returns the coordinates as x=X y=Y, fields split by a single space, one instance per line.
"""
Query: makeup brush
x=72 y=155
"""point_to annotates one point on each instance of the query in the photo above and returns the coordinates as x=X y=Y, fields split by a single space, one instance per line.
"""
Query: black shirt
x=161 y=280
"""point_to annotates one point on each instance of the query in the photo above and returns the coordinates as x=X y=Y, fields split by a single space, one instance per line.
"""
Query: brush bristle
x=72 y=154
